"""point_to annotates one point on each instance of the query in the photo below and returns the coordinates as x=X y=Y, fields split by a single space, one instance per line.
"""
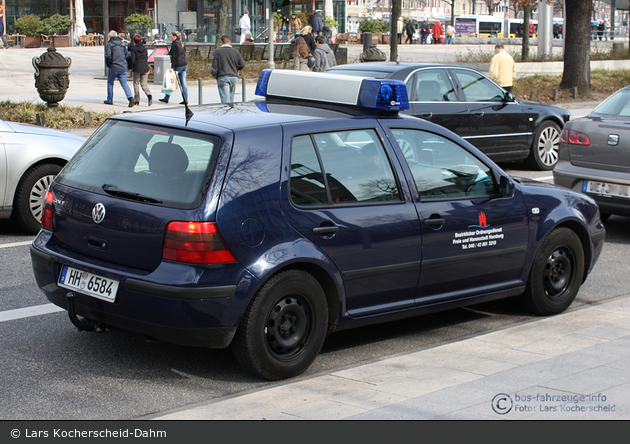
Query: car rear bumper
x=573 y=177
x=201 y=316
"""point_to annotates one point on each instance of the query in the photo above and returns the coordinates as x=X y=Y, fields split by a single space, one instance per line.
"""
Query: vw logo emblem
x=98 y=213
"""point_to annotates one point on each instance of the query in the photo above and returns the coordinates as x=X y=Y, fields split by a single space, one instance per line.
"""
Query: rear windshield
x=616 y=105
x=150 y=164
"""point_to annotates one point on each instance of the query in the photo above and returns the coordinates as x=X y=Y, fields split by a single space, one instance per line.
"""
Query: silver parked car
x=594 y=155
x=30 y=157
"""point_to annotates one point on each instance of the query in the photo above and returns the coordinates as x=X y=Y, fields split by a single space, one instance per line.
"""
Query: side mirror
x=506 y=186
x=509 y=97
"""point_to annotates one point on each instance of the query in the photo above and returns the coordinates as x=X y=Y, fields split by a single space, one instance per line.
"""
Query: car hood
x=533 y=182
x=25 y=128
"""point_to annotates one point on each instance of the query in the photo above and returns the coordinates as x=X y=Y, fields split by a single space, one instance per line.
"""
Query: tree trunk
x=527 y=12
x=222 y=21
x=393 y=30
x=577 y=48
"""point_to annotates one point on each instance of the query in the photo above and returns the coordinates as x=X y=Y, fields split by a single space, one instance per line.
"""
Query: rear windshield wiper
x=115 y=191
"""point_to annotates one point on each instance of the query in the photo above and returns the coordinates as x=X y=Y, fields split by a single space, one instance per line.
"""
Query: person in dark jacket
x=116 y=56
x=226 y=63
x=140 y=67
x=410 y=29
x=308 y=38
x=316 y=22
x=178 y=64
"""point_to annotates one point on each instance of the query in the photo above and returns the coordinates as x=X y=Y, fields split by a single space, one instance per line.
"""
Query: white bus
x=478 y=26
x=489 y=26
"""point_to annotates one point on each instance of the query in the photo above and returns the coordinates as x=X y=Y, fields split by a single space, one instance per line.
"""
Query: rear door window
x=154 y=165
x=340 y=168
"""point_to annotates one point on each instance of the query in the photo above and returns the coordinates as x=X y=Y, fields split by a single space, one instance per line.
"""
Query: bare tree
x=491 y=4
x=527 y=14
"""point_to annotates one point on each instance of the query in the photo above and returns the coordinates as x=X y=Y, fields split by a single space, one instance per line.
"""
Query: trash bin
x=161 y=64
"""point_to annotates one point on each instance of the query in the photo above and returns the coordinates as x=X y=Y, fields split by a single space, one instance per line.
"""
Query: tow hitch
x=82 y=324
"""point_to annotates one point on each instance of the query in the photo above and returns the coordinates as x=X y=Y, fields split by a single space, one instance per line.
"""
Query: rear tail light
x=574 y=138
x=47 y=214
x=195 y=243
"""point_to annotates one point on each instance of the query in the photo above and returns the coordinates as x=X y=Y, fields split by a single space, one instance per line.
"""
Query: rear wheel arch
x=327 y=283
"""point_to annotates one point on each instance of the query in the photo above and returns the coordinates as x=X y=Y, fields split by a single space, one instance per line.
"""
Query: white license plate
x=88 y=283
x=606 y=189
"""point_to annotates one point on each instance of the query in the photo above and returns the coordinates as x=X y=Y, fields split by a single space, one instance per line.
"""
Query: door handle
x=433 y=222
x=478 y=113
x=326 y=230
x=426 y=115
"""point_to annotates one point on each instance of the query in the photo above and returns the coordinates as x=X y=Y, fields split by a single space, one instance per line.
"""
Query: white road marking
x=28 y=312
x=16 y=244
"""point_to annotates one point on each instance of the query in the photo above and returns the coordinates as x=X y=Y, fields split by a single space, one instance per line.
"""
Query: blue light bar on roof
x=263 y=81
x=380 y=94
x=383 y=94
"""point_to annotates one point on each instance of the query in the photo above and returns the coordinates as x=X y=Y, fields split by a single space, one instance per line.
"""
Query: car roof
x=237 y=116
x=389 y=67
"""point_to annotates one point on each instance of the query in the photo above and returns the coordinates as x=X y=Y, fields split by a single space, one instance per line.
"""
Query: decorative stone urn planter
x=51 y=76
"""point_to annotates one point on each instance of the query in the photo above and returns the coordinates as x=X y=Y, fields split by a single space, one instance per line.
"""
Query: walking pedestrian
x=437 y=32
x=450 y=31
x=410 y=31
x=400 y=28
x=324 y=56
x=226 y=64
x=284 y=28
x=502 y=68
x=301 y=54
x=295 y=25
x=316 y=23
x=424 y=31
x=179 y=65
x=140 y=67
x=116 y=56
x=308 y=38
x=2 y=36
x=245 y=24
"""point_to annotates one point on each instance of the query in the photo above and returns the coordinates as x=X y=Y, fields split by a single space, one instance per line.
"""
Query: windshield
x=360 y=73
x=149 y=164
x=616 y=105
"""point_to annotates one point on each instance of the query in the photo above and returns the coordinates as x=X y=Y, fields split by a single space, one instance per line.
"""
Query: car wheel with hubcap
x=30 y=194
x=556 y=273
x=284 y=326
x=544 y=151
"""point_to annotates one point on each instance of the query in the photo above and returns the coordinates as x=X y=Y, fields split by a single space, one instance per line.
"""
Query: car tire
x=556 y=274
x=283 y=329
x=29 y=196
x=543 y=155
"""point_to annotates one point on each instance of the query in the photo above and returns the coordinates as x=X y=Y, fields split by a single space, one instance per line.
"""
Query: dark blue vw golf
x=264 y=226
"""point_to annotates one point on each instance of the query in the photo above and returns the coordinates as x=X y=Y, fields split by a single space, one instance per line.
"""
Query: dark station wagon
x=468 y=103
x=265 y=226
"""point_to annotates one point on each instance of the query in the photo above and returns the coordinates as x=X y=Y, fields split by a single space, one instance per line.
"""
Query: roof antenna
x=188 y=112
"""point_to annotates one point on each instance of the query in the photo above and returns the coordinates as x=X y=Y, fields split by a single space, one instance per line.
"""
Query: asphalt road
x=52 y=371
